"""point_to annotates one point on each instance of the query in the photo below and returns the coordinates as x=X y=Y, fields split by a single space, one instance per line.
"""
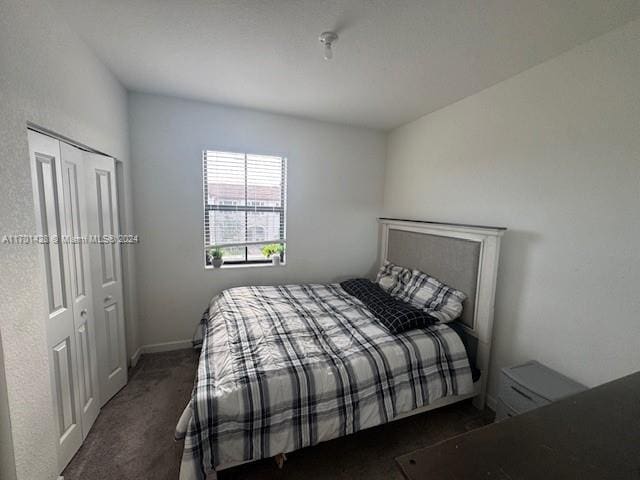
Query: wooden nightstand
x=529 y=386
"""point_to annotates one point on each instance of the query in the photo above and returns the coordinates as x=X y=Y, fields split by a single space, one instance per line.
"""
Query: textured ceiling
x=395 y=61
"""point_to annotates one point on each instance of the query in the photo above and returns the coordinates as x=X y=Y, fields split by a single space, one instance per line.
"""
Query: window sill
x=232 y=266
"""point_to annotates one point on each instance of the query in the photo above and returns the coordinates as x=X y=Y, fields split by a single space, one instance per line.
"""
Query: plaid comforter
x=286 y=367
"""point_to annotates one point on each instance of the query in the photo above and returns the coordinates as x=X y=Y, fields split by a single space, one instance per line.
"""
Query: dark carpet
x=132 y=438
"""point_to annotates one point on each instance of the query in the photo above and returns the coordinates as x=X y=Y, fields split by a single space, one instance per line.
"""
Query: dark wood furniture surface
x=591 y=435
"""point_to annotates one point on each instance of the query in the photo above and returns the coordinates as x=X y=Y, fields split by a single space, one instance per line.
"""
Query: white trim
x=157 y=348
x=447 y=229
x=135 y=357
x=231 y=266
x=489 y=240
x=166 y=346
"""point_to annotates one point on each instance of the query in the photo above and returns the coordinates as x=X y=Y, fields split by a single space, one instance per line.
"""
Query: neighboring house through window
x=244 y=204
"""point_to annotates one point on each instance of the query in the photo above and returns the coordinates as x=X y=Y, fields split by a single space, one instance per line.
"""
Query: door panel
x=75 y=208
x=64 y=387
x=106 y=225
x=87 y=393
x=74 y=225
x=106 y=274
x=111 y=322
x=46 y=168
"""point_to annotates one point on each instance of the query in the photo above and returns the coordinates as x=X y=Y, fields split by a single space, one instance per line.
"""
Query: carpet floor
x=132 y=438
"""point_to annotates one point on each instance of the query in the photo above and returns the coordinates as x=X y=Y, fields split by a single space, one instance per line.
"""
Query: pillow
x=394 y=279
x=434 y=297
x=395 y=315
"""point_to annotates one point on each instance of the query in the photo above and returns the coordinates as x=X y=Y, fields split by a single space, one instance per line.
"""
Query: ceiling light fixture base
x=328 y=39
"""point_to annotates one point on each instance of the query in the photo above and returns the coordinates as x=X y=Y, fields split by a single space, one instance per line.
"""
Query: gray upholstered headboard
x=453 y=261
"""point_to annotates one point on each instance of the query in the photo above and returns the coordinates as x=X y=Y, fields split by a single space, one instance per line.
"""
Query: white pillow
x=434 y=297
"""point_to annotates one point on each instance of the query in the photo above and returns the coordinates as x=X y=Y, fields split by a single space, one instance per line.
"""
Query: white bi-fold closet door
x=106 y=269
x=81 y=340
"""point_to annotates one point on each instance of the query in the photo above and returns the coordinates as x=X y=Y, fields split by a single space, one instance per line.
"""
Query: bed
x=290 y=366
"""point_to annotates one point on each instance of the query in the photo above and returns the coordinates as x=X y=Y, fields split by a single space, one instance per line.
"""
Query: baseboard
x=166 y=346
x=135 y=357
x=157 y=348
x=491 y=402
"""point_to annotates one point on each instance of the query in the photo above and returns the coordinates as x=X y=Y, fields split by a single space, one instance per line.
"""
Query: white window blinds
x=244 y=204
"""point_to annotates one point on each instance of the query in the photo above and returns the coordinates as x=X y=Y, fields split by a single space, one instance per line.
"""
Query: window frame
x=282 y=209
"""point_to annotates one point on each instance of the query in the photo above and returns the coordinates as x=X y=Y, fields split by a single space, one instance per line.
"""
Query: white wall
x=554 y=155
x=47 y=76
x=334 y=197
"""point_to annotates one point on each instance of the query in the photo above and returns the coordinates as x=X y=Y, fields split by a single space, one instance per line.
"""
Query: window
x=245 y=200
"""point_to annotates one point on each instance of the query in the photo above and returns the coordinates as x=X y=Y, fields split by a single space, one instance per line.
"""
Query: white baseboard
x=166 y=346
x=157 y=348
x=491 y=402
x=136 y=356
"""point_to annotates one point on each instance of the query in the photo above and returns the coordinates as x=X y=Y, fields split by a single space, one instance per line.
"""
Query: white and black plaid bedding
x=286 y=367
x=428 y=293
x=394 y=279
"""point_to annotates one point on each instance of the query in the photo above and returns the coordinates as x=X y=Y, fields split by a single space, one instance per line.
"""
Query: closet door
x=46 y=174
x=80 y=278
x=102 y=208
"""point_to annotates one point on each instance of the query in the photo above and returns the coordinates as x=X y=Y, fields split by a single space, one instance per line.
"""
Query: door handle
x=83 y=312
x=108 y=298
